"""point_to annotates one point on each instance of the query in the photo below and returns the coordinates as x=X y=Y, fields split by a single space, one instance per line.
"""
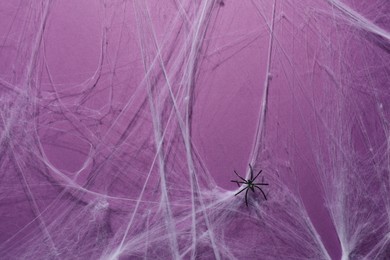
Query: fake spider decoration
x=250 y=184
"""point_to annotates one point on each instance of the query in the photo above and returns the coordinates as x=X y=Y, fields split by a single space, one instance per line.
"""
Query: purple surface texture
x=122 y=123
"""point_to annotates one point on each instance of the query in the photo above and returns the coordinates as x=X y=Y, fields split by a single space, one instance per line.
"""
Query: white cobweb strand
x=359 y=21
x=168 y=206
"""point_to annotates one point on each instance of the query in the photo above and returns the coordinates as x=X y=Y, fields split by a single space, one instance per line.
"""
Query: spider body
x=250 y=184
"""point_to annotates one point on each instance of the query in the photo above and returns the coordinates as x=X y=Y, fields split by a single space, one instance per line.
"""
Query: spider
x=250 y=184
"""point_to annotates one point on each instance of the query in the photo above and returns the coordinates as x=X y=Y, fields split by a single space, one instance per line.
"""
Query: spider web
x=122 y=123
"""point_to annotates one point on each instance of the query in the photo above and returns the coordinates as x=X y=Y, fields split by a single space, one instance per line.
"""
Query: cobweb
x=122 y=122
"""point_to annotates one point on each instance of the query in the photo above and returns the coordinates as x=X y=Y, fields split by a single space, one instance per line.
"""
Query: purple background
x=122 y=123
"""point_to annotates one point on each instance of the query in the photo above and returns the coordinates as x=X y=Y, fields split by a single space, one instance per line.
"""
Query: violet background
x=85 y=96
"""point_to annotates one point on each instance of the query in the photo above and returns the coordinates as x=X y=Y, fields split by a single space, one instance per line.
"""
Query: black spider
x=250 y=184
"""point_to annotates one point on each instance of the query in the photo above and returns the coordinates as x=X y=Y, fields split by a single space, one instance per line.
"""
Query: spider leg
x=238 y=182
x=265 y=197
x=250 y=166
x=246 y=197
x=239 y=176
x=257 y=175
x=260 y=183
x=252 y=188
x=240 y=191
